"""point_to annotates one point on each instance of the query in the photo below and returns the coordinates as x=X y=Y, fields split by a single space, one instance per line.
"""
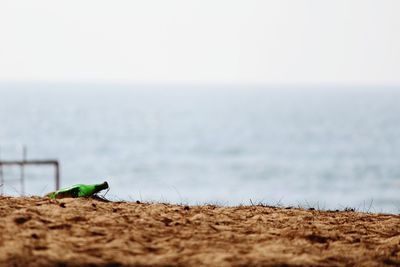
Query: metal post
x=57 y=175
x=1 y=177
x=22 y=168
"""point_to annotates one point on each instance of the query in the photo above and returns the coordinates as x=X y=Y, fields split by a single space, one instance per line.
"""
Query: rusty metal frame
x=25 y=162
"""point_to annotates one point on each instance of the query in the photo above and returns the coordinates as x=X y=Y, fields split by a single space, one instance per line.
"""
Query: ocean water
x=315 y=147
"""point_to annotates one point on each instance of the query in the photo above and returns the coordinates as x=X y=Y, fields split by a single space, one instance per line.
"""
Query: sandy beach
x=38 y=231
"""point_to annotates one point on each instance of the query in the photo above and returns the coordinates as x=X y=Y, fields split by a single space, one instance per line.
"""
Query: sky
x=349 y=42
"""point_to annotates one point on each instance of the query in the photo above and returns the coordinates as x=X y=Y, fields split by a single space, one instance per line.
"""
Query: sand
x=38 y=231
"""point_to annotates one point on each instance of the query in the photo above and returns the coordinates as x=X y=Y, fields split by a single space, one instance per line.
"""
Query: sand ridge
x=37 y=231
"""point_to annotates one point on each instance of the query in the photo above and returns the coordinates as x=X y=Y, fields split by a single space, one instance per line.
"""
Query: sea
x=312 y=147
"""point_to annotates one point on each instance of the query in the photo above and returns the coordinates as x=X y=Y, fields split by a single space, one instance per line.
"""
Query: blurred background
x=222 y=102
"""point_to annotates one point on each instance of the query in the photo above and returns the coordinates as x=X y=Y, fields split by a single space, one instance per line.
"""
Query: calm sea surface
x=324 y=147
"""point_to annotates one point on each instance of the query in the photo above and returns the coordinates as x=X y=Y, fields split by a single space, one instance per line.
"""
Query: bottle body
x=78 y=190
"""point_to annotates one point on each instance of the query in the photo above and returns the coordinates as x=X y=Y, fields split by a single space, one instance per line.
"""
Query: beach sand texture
x=38 y=231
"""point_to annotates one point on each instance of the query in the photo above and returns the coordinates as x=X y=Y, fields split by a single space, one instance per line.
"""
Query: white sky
x=245 y=42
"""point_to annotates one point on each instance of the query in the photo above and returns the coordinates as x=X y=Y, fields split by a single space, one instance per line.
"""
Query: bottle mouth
x=104 y=185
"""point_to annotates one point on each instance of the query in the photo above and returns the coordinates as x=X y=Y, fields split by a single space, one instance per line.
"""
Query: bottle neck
x=102 y=186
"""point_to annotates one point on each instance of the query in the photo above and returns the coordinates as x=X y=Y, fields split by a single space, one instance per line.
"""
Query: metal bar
x=28 y=162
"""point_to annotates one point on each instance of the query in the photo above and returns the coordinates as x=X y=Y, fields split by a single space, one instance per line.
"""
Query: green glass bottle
x=78 y=190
